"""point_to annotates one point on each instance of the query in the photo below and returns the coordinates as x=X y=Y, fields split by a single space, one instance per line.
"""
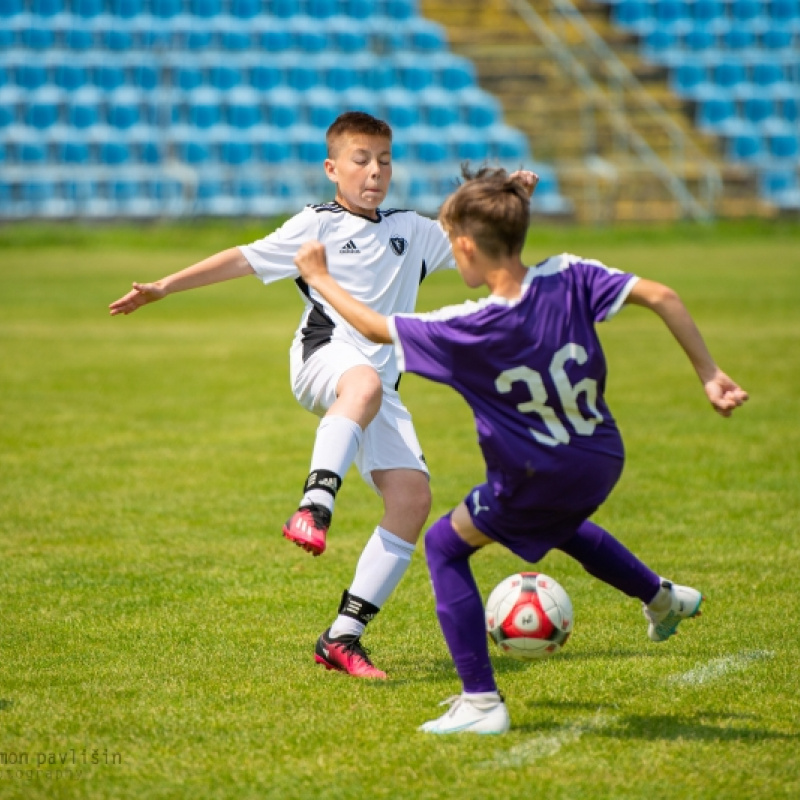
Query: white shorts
x=390 y=441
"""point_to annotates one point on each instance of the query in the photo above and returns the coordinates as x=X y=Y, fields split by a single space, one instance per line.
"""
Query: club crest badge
x=398 y=244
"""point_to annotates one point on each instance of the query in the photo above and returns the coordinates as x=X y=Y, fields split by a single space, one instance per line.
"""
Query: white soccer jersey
x=380 y=262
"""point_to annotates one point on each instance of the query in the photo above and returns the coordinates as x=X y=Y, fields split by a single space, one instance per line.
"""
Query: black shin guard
x=356 y=608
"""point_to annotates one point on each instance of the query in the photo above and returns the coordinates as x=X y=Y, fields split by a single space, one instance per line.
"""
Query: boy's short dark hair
x=356 y=122
x=491 y=208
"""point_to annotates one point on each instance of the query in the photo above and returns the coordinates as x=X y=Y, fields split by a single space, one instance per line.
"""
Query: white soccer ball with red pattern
x=529 y=616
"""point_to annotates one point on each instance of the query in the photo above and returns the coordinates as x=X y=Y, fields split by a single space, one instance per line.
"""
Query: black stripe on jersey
x=390 y=211
x=337 y=208
x=319 y=326
x=423 y=273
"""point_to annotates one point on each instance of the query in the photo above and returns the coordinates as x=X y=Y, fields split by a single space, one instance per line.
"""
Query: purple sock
x=601 y=555
x=459 y=606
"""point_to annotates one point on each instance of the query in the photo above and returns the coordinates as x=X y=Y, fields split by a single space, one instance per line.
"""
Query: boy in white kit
x=380 y=258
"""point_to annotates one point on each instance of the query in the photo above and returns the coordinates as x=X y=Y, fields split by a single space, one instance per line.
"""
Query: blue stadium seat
x=271 y=145
x=689 y=79
x=143 y=73
x=777 y=38
x=70 y=75
x=739 y=39
x=8 y=8
x=264 y=75
x=467 y=144
x=774 y=182
x=346 y=36
x=767 y=74
x=126 y=9
x=425 y=36
x=186 y=77
x=399 y=9
x=729 y=74
x=271 y=35
x=439 y=107
x=111 y=151
x=78 y=37
x=308 y=146
x=700 y=40
x=107 y=75
x=784 y=12
x=114 y=34
x=322 y=106
x=300 y=72
x=83 y=108
x=428 y=147
x=746 y=148
x=204 y=107
x=145 y=142
x=413 y=73
x=281 y=107
x=308 y=35
x=340 y=74
x=30 y=74
x=284 y=9
x=360 y=99
x=123 y=108
x=633 y=15
x=378 y=75
x=661 y=46
x=748 y=13
x=508 y=144
x=244 y=9
x=673 y=15
x=166 y=9
x=11 y=101
x=478 y=108
x=358 y=9
x=453 y=72
x=205 y=9
x=37 y=35
x=43 y=107
x=189 y=145
x=321 y=9
x=789 y=108
x=190 y=33
x=46 y=8
x=234 y=152
x=86 y=8
x=709 y=14
x=233 y=35
x=243 y=108
x=69 y=146
x=784 y=147
x=758 y=109
x=224 y=75
x=716 y=113
x=400 y=108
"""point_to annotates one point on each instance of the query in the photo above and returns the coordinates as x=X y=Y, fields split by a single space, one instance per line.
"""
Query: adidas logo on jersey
x=350 y=247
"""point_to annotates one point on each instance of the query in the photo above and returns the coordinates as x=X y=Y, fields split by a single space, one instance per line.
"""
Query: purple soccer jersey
x=534 y=374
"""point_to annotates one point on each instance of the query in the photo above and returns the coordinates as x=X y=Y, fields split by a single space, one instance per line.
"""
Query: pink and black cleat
x=307 y=528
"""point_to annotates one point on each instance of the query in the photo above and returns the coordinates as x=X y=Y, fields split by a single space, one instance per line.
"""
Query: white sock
x=662 y=600
x=384 y=560
x=335 y=448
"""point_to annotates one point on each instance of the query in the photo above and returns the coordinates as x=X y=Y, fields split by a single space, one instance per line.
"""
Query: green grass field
x=157 y=631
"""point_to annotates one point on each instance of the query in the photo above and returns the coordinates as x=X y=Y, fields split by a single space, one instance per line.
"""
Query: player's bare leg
x=359 y=394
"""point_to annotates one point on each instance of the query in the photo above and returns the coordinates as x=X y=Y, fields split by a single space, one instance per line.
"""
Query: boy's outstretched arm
x=222 y=266
x=724 y=393
x=313 y=266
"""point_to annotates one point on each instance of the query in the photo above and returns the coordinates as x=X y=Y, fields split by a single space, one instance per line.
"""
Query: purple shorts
x=527 y=524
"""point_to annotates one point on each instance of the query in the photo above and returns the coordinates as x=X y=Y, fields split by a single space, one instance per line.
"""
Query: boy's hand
x=527 y=178
x=140 y=295
x=725 y=394
x=311 y=261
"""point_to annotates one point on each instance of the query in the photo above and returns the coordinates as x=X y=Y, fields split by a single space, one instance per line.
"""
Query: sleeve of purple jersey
x=606 y=287
x=422 y=347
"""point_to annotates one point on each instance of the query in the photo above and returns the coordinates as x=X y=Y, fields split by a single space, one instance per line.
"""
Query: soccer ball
x=529 y=616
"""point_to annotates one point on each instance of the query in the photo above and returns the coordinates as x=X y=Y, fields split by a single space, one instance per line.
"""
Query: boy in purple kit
x=528 y=361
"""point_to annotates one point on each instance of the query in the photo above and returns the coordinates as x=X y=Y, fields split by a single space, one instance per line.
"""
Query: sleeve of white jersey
x=437 y=252
x=272 y=258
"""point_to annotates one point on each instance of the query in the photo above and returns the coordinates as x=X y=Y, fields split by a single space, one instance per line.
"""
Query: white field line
x=719 y=667
x=548 y=744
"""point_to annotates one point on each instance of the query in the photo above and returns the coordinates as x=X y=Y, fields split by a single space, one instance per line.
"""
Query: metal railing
x=620 y=92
